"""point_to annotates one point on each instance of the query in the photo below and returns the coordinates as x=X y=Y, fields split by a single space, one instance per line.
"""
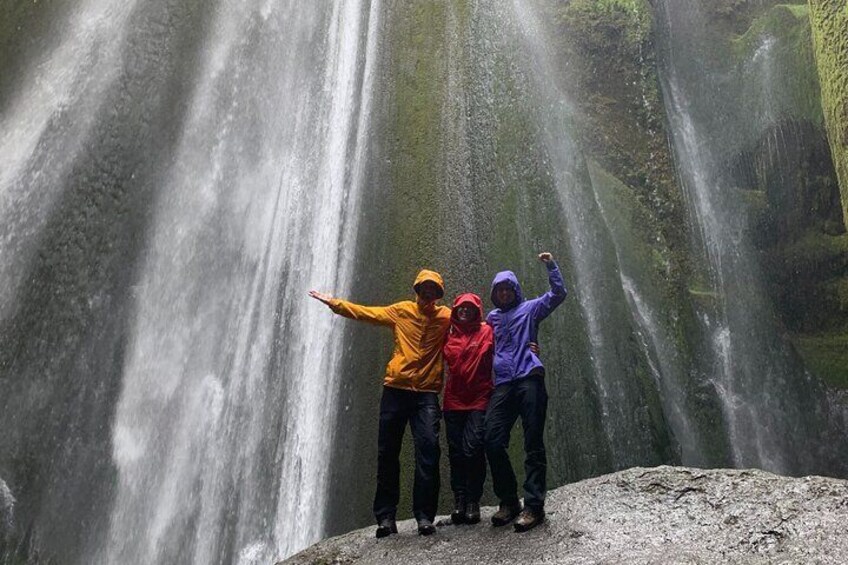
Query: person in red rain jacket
x=468 y=355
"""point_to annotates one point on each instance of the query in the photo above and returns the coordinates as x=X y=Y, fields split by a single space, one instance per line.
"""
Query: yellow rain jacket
x=419 y=337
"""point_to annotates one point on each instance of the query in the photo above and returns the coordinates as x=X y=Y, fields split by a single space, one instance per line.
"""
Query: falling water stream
x=174 y=176
x=771 y=405
x=594 y=251
x=44 y=126
x=226 y=416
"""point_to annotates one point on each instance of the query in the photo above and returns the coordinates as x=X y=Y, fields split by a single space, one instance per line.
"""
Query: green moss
x=818 y=253
x=794 y=218
x=622 y=128
x=630 y=20
x=826 y=356
x=734 y=17
x=640 y=251
x=808 y=280
x=518 y=180
x=621 y=122
x=787 y=24
x=800 y=10
x=729 y=13
x=830 y=34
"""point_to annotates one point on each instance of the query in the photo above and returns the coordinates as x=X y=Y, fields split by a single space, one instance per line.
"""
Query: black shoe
x=386 y=527
x=426 y=527
x=458 y=515
x=506 y=513
x=529 y=519
x=472 y=513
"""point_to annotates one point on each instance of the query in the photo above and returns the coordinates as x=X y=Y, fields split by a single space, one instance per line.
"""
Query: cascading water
x=227 y=383
x=7 y=511
x=226 y=416
x=44 y=126
x=175 y=175
x=598 y=283
x=773 y=410
x=665 y=368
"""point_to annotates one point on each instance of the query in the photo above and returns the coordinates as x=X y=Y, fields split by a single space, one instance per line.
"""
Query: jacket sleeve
x=547 y=303
x=380 y=315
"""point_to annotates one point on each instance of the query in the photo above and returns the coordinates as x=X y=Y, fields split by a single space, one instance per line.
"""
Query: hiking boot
x=529 y=519
x=506 y=513
x=472 y=513
x=426 y=527
x=386 y=526
x=458 y=515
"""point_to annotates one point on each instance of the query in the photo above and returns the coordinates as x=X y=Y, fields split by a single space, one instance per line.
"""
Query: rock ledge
x=660 y=515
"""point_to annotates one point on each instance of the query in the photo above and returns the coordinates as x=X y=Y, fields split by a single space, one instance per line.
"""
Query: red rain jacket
x=468 y=355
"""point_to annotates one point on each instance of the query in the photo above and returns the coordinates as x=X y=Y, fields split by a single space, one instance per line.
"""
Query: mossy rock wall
x=830 y=32
x=621 y=120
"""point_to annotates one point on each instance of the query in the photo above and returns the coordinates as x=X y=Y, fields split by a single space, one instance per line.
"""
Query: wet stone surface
x=661 y=515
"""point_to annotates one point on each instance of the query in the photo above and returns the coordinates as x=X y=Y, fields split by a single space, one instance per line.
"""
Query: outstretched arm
x=548 y=302
x=382 y=315
x=321 y=296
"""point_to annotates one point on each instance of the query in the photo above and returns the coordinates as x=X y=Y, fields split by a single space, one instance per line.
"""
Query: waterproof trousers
x=525 y=397
x=465 y=430
x=421 y=410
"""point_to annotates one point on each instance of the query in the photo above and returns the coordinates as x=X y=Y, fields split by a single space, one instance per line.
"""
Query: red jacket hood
x=476 y=302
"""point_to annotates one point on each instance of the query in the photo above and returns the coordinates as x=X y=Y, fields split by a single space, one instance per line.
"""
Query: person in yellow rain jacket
x=410 y=395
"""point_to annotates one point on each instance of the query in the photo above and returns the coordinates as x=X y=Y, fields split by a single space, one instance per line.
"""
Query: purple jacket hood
x=510 y=278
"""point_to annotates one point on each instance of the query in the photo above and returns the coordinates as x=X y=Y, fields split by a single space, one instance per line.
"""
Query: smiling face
x=466 y=313
x=504 y=293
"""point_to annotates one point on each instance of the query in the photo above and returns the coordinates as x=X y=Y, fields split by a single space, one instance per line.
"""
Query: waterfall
x=7 y=511
x=44 y=126
x=176 y=174
x=773 y=410
x=226 y=414
x=593 y=249
x=665 y=369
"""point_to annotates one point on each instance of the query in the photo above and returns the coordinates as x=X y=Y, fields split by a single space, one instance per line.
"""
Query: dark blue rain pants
x=465 y=430
x=528 y=398
x=421 y=410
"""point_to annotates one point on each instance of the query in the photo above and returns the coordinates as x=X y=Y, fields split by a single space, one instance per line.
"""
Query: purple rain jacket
x=517 y=324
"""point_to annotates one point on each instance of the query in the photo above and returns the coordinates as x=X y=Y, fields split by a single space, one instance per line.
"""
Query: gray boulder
x=657 y=516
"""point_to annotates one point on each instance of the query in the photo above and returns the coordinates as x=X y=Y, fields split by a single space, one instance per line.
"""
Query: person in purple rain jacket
x=519 y=391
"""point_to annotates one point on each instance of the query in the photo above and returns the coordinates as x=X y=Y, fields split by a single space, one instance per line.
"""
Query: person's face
x=466 y=313
x=504 y=293
x=428 y=292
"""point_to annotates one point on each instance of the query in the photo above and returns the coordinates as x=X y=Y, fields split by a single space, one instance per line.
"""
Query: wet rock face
x=659 y=515
x=830 y=19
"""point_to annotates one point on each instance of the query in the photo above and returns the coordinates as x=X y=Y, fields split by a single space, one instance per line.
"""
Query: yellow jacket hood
x=432 y=276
